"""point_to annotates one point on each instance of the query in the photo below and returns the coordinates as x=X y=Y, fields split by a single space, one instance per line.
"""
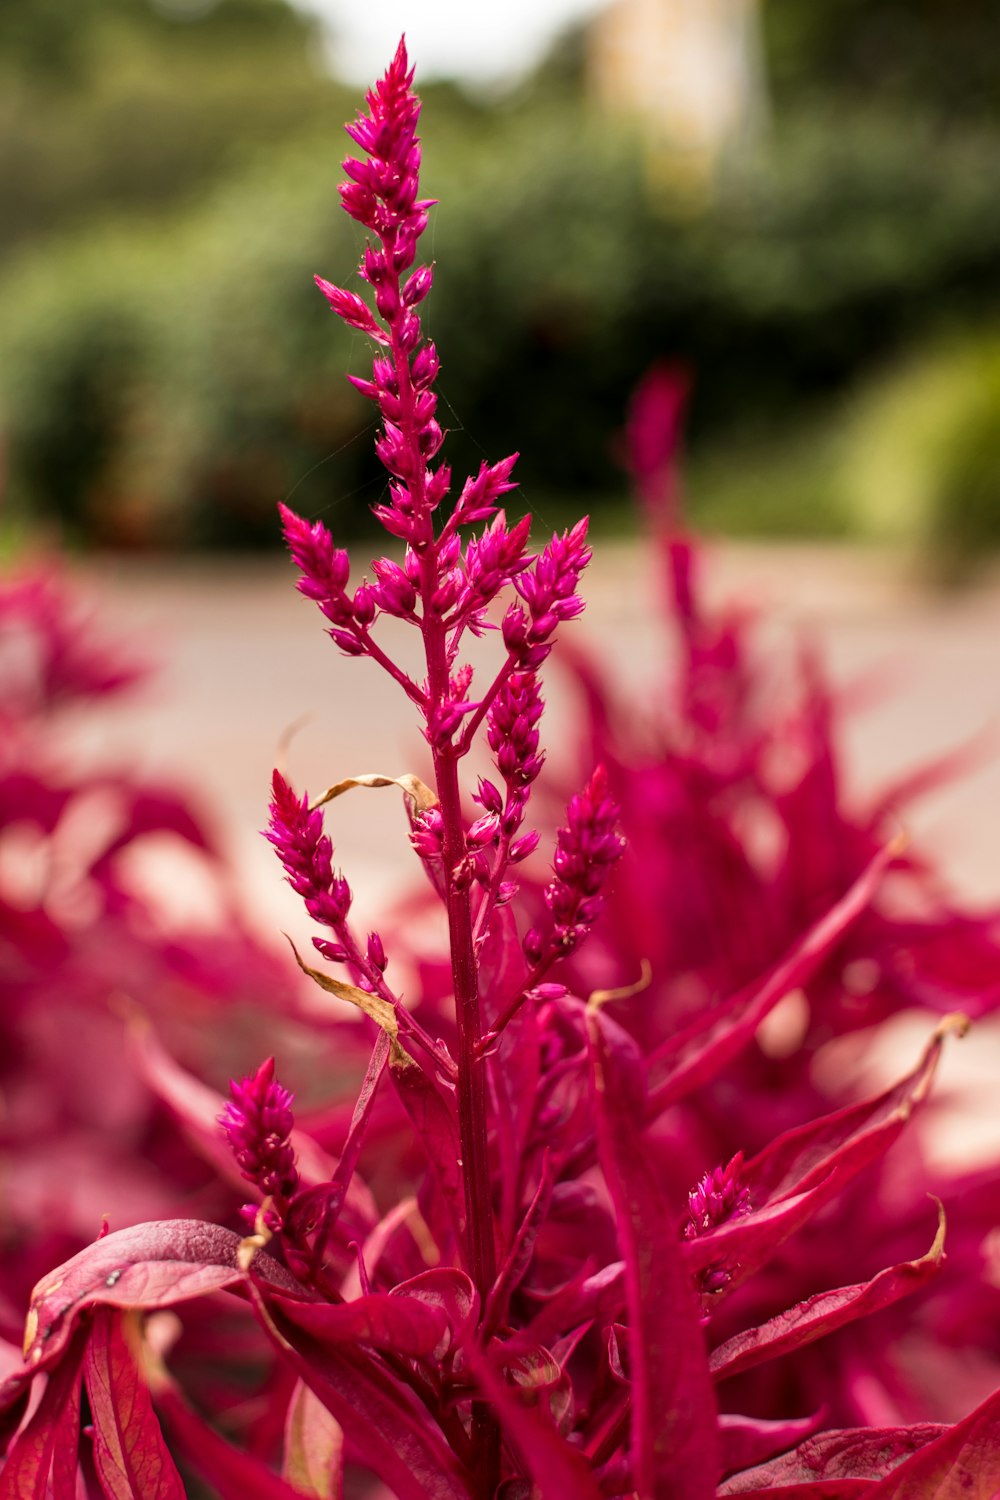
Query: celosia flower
x=528 y=1321
x=296 y=831
x=587 y=846
x=258 y=1121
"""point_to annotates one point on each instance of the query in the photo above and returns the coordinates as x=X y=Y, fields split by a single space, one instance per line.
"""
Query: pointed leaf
x=674 y=1430
x=861 y=1455
x=146 y=1266
x=419 y=797
x=847 y=1140
x=129 y=1452
x=793 y=1177
x=314 y=1447
x=820 y=1315
x=692 y=1056
x=398 y=1441
x=381 y=1011
x=398 y=1325
x=48 y=1443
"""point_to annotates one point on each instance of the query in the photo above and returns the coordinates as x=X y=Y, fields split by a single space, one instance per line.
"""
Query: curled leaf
x=419 y=797
x=146 y=1266
x=380 y=1011
x=823 y=1313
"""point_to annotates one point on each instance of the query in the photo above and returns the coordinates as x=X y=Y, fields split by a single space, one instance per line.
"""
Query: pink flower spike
x=306 y=853
x=586 y=848
x=325 y=568
x=258 y=1122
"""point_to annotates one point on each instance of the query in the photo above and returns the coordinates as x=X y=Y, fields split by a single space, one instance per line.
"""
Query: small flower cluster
x=550 y=593
x=720 y=1195
x=258 y=1122
x=305 y=851
x=587 y=847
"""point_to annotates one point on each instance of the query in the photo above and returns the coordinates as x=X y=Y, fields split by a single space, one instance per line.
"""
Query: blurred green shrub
x=921 y=456
x=130 y=105
x=170 y=386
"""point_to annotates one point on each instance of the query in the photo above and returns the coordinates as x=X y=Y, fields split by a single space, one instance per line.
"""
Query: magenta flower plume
x=258 y=1122
x=296 y=831
x=522 y=1305
x=549 y=589
x=587 y=846
x=381 y=194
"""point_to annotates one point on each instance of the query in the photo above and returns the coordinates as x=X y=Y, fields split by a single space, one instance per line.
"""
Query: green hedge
x=169 y=386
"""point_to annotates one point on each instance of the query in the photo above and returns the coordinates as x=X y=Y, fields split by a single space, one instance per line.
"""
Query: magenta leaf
x=696 y=1054
x=840 y=1144
x=399 y=1442
x=556 y=1469
x=820 y=1315
x=48 y=1443
x=395 y=1324
x=962 y=1464
x=748 y=1441
x=447 y=1290
x=146 y=1266
x=674 y=1429
x=860 y=1456
x=129 y=1452
x=793 y=1177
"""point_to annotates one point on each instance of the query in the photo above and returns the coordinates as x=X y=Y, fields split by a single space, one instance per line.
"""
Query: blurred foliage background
x=167 y=371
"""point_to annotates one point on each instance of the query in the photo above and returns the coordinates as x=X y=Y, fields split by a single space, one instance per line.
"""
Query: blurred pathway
x=244 y=659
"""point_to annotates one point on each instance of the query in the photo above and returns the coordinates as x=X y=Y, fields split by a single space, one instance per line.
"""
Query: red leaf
x=147 y=1266
x=449 y=1290
x=558 y=1470
x=689 y=1058
x=847 y=1140
x=820 y=1315
x=674 y=1430
x=398 y=1441
x=962 y=1464
x=129 y=1452
x=748 y=1441
x=802 y=1169
x=399 y=1325
x=49 y=1441
x=857 y=1456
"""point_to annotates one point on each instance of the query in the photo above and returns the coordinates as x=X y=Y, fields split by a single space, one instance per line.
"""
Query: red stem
x=472 y=1114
